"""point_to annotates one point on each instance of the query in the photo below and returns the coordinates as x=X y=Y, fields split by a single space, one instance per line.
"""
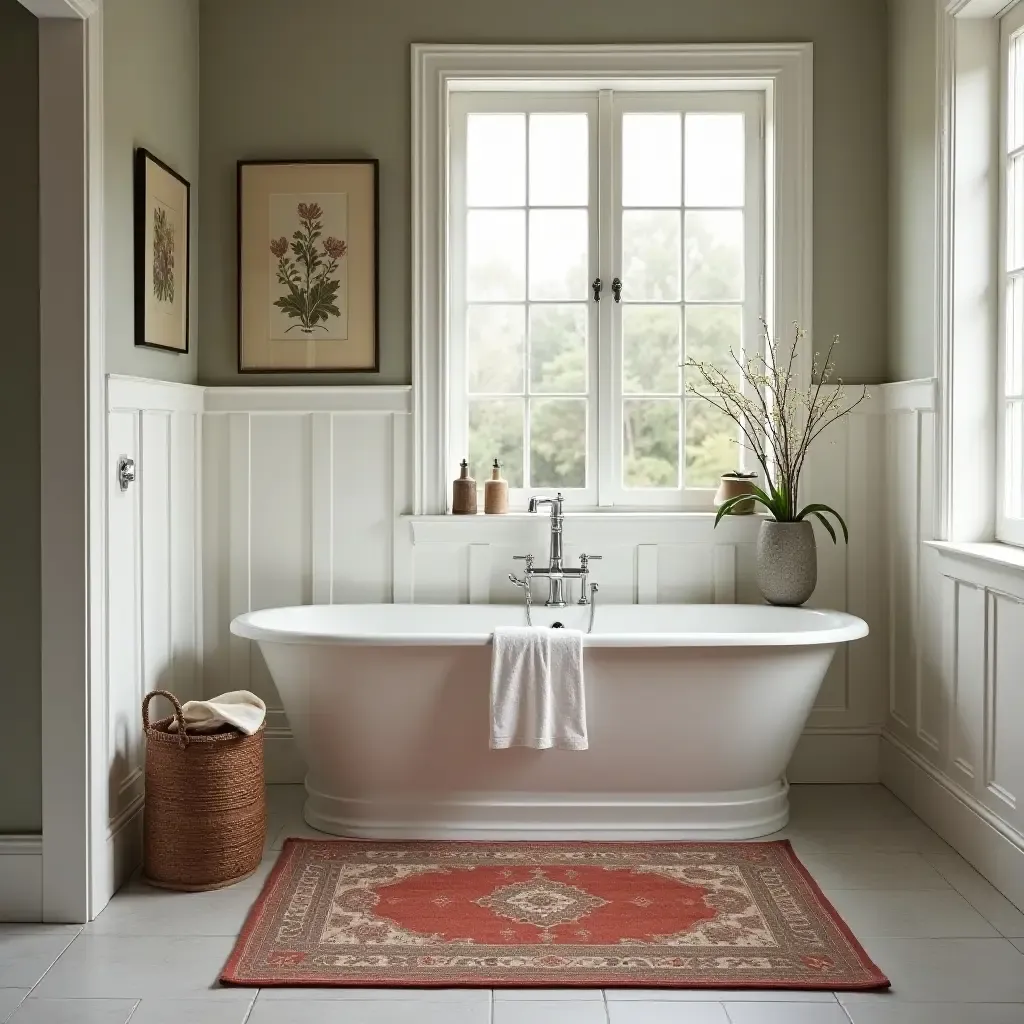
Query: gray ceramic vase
x=787 y=562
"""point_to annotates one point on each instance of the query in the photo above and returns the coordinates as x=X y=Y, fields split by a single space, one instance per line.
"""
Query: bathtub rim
x=847 y=628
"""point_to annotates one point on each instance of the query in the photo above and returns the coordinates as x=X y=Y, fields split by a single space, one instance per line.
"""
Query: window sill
x=610 y=526
x=1003 y=556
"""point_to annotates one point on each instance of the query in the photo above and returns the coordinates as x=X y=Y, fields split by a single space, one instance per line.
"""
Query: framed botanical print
x=162 y=227
x=307 y=266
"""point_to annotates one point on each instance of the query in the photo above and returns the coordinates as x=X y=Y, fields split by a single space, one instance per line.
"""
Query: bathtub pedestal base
x=593 y=816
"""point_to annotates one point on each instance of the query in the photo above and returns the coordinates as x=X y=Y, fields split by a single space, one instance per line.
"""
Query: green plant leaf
x=727 y=506
x=828 y=526
x=818 y=507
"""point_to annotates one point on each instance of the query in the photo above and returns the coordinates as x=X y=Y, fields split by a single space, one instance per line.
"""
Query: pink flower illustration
x=334 y=247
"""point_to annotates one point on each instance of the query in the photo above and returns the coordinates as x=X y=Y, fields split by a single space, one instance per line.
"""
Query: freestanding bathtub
x=693 y=713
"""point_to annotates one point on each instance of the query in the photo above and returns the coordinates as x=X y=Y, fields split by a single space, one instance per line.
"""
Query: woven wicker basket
x=205 y=819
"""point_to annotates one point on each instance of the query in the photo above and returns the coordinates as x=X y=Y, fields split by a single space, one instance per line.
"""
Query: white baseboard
x=822 y=756
x=990 y=844
x=21 y=878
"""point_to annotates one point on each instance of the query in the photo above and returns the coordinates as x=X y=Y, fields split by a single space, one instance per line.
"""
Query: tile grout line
x=252 y=1005
x=490 y=1008
x=10 y=1016
x=138 y=1003
x=78 y=935
x=966 y=898
x=607 y=1008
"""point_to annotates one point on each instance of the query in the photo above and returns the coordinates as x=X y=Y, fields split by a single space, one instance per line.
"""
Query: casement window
x=584 y=220
x=598 y=239
x=1010 y=422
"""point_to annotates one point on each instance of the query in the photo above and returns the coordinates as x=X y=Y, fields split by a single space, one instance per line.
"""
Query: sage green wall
x=20 y=614
x=912 y=188
x=151 y=99
x=321 y=78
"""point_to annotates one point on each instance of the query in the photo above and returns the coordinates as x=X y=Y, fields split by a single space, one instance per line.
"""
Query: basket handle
x=179 y=715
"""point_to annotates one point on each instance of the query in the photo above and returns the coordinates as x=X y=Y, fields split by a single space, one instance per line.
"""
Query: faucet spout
x=556 y=583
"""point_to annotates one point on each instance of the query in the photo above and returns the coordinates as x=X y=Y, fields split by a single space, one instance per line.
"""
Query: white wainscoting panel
x=301 y=489
x=307 y=497
x=153 y=584
x=953 y=744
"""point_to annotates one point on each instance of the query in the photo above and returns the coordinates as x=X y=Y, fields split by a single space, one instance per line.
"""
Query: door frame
x=72 y=459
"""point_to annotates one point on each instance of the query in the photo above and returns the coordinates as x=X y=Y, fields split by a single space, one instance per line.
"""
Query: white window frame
x=783 y=72
x=1009 y=529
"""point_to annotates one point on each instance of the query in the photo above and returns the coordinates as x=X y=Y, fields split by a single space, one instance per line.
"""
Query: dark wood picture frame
x=143 y=256
x=374 y=165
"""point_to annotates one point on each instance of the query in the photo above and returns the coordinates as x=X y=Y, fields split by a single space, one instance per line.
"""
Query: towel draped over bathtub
x=537 y=696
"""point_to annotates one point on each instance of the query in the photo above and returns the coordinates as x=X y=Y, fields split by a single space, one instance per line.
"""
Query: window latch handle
x=597 y=285
x=617 y=289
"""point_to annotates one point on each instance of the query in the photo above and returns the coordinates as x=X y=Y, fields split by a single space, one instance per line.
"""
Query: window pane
x=650 y=349
x=652 y=170
x=650 y=255
x=712 y=333
x=1014 y=457
x=559 y=159
x=714 y=160
x=496 y=432
x=558 y=442
x=558 y=349
x=1015 y=214
x=650 y=443
x=558 y=254
x=714 y=256
x=1014 y=352
x=495 y=349
x=496 y=160
x=711 y=448
x=495 y=255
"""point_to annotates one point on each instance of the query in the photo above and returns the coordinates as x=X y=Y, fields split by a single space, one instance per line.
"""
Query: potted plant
x=780 y=418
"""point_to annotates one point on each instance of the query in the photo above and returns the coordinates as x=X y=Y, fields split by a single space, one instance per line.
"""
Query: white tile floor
x=951 y=944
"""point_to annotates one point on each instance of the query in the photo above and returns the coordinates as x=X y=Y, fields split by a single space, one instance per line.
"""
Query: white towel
x=240 y=708
x=537 y=697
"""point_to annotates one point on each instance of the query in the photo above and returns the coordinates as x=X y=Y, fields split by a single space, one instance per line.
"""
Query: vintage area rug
x=591 y=915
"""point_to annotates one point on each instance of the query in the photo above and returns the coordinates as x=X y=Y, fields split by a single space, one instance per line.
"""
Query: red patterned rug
x=590 y=915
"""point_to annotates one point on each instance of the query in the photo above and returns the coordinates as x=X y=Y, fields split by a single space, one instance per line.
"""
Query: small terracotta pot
x=733 y=487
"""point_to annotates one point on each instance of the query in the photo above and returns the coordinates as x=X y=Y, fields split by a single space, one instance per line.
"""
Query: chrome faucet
x=555 y=572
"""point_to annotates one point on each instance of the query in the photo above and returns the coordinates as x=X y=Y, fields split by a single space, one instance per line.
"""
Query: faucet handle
x=528 y=559
x=584 y=559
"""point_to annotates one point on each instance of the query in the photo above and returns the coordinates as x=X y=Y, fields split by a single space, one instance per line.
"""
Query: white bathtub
x=693 y=713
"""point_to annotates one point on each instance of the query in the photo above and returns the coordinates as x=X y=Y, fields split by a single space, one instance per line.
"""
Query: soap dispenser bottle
x=464 y=493
x=496 y=492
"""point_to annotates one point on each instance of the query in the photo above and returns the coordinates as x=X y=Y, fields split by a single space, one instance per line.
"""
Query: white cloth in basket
x=240 y=708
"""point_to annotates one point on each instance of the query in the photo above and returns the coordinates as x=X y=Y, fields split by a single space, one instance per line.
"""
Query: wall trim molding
x=73 y=460
x=920 y=395
x=374 y=398
x=77 y=9
x=140 y=393
x=21 y=877
x=981 y=837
